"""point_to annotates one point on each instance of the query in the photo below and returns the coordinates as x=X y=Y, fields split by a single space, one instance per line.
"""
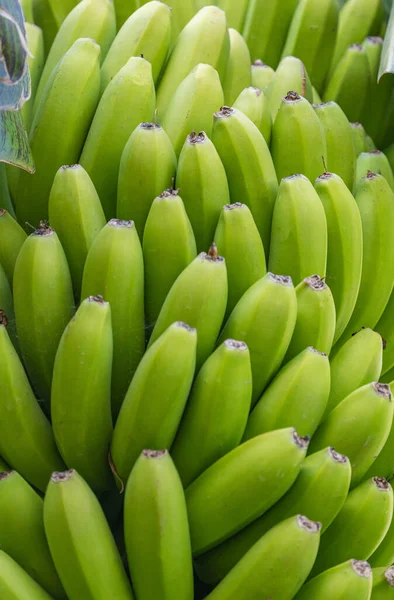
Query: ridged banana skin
x=235 y=12
x=204 y=39
x=344 y=246
x=299 y=231
x=358 y=132
x=238 y=240
x=242 y=485
x=16 y=584
x=265 y=28
x=339 y=141
x=145 y=33
x=81 y=543
x=249 y=167
x=312 y=36
x=26 y=442
x=375 y=200
x=76 y=214
x=358 y=362
x=114 y=269
x=198 y=297
x=21 y=509
x=44 y=19
x=128 y=100
x=89 y=19
x=7 y=307
x=320 y=490
x=35 y=42
x=264 y=318
x=262 y=74
x=220 y=398
x=291 y=74
x=298 y=143
x=359 y=527
x=276 y=566
x=375 y=161
x=59 y=127
x=383 y=583
x=385 y=327
x=384 y=554
x=358 y=427
x=202 y=179
x=44 y=304
x=150 y=157
x=157 y=530
x=297 y=397
x=253 y=103
x=194 y=101
x=61 y=8
x=12 y=237
x=238 y=75
x=123 y=10
x=155 y=401
x=168 y=246
x=351 y=580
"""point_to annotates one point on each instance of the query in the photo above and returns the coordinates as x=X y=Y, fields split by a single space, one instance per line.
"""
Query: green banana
x=384 y=554
x=253 y=103
x=358 y=132
x=358 y=427
x=203 y=183
x=238 y=240
x=375 y=161
x=59 y=127
x=149 y=155
x=43 y=17
x=61 y=8
x=43 y=306
x=168 y=234
x=312 y=36
x=81 y=542
x=389 y=152
x=5 y=196
x=27 y=9
x=198 y=297
x=16 y=584
x=12 y=238
x=383 y=583
x=235 y=12
x=385 y=327
x=290 y=75
x=154 y=403
x=220 y=397
x=242 y=485
x=262 y=75
x=26 y=440
x=35 y=42
x=154 y=496
x=192 y=105
x=128 y=100
x=344 y=246
x=114 y=269
x=123 y=10
x=316 y=97
x=351 y=580
x=386 y=129
x=7 y=307
x=182 y=11
x=248 y=164
x=299 y=231
x=370 y=145
x=76 y=214
x=238 y=75
x=145 y=33
x=21 y=510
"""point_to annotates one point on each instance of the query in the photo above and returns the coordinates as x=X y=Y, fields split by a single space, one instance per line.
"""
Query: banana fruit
x=351 y=580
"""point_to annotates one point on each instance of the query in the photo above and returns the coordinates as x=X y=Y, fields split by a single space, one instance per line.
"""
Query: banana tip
x=281 y=279
x=3 y=318
x=154 y=453
x=382 y=389
x=301 y=441
x=362 y=568
x=59 y=476
x=121 y=223
x=337 y=456
x=382 y=484
x=197 y=138
x=389 y=575
x=316 y=283
x=43 y=230
x=6 y=474
x=308 y=525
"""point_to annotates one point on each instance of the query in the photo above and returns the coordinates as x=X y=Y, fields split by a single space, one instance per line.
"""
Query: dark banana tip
x=6 y=474
x=169 y=193
x=382 y=389
x=316 y=283
x=326 y=175
x=375 y=39
x=59 y=476
x=235 y=345
x=308 y=525
x=212 y=254
x=3 y=318
x=2 y=212
x=312 y=349
x=259 y=63
x=183 y=325
x=371 y=175
x=225 y=111
x=98 y=299
x=120 y=223
x=281 y=279
x=292 y=97
x=357 y=47
x=154 y=453
x=301 y=441
x=381 y=483
x=362 y=568
x=233 y=206
x=149 y=126
x=197 y=138
x=389 y=575
x=43 y=230
x=69 y=167
x=337 y=457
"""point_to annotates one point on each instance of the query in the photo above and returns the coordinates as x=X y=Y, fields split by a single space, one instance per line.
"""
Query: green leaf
x=14 y=143
x=387 y=59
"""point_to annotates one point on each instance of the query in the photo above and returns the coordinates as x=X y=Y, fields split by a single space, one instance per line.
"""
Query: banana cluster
x=197 y=305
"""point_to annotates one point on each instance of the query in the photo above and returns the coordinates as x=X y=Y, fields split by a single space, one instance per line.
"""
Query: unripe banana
x=114 y=269
x=154 y=403
x=320 y=490
x=154 y=497
x=351 y=580
x=146 y=33
x=359 y=527
x=26 y=438
x=12 y=237
x=204 y=39
x=128 y=100
x=5 y=197
x=169 y=235
x=151 y=159
x=235 y=12
x=27 y=9
x=216 y=412
x=386 y=134
x=21 y=510
x=238 y=240
x=192 y=105
x=344 y=246
x=16 y=584
x=383 y=583
x=238 y=75
x=358 y=427
x=316 y=97
x=358 y=132
x=43 y=17
x=290 y=75
x=385 y=327
x=123 y=10
x=375 y=161
x=43 y=307
x=198 y=297
x=312 y=36
x=203 y=183
x=81 y=542
x=262 y=74
x=370 y=145
x=248 y=164
x=242 y=485
x=182 y=11
x=384 y=554
x=7 y=307
x=389 y=152
x=61 y=8
x=35 y=42
x=59 y=127
x=253 y=103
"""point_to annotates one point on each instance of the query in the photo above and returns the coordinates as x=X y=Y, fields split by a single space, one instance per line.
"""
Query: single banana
x=128 y=100
x=383 y=583
x=375 y=161
x=242 y=485
x=35 y=42
x=16 y=584
x=383 y=466
x=123 y=10
x=203 y=185
x=27 y=9
x=238 y=75
x=253 y=103
x=351 y=580
x=154 y=403
x=81 y=542
x=291 y=74
x=385 y=327
x=150 y=157
x=358 y=132
x=43 y=17
x=262 y=74
x=154 y=497
x=370 y=145
x=384 y=554
x=61 y=8
x=5 y=192
x=7 y=308
x=182 y=11
x=235 y=12
x=12 y=237
x=114 y=269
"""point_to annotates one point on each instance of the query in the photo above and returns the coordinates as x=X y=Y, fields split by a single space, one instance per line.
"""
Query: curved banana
x=375 y=161
x=123 y=10
x=43 y=17
x=238 y=75
x=235 y=12
x=253 y=103
x=385 y=327
x=262 y=74
x=61 y=8
x=384 y=554
x=383 y=583
x=351 y=580
x=359 y=134
x=16 y=583
x=290 y=75
x=12 y=237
